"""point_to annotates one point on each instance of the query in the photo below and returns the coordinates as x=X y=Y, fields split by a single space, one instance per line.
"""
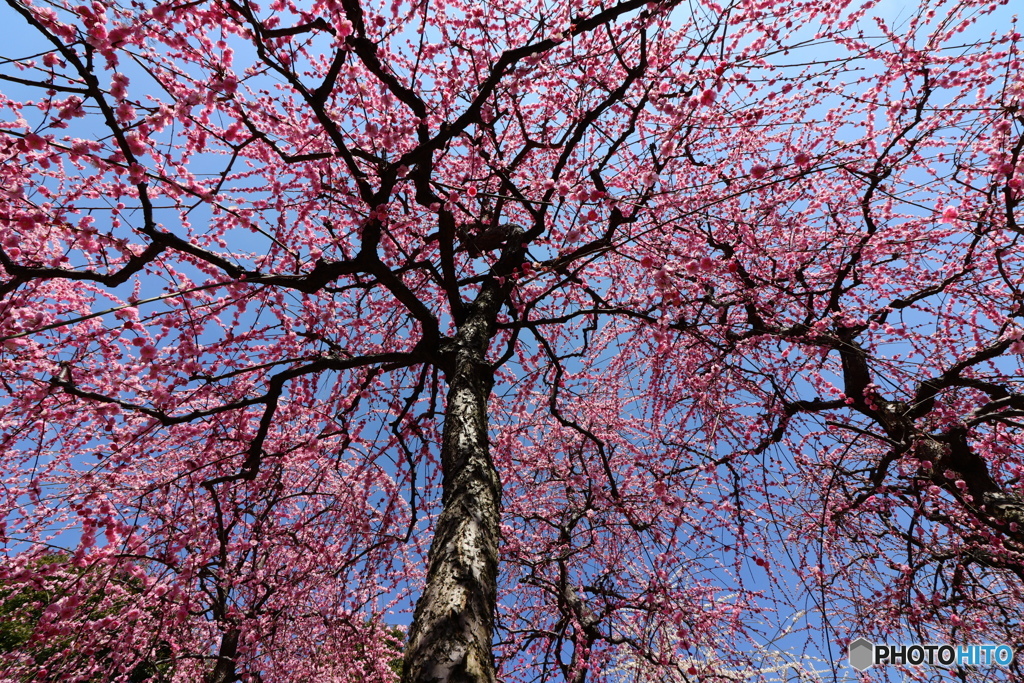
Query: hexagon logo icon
x=862 y=654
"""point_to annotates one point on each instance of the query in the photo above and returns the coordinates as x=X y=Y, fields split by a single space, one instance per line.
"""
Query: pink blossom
x=343 y=27
x=34 y=141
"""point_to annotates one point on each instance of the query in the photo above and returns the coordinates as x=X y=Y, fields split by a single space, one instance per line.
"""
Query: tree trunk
x=452 y=630
x=224 y=671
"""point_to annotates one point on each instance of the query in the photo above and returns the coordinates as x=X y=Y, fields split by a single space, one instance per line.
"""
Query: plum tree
x=607 y=332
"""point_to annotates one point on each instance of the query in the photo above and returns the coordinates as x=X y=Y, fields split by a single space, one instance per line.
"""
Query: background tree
x=685 y=314
x=36 y=597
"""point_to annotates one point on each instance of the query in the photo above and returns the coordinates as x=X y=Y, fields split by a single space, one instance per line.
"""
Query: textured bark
x=224 y=670
x=452 y=631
